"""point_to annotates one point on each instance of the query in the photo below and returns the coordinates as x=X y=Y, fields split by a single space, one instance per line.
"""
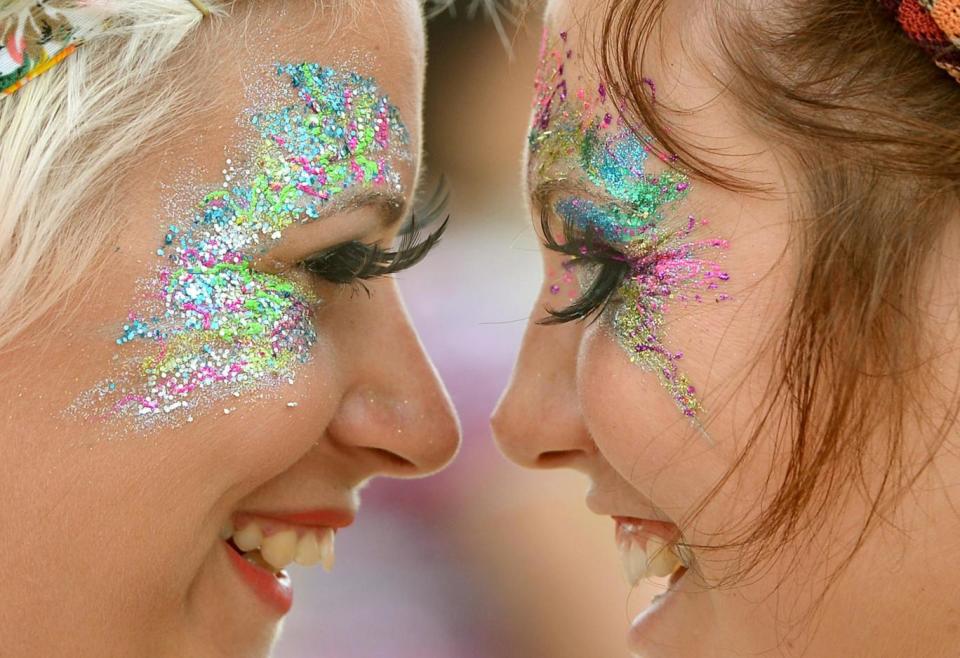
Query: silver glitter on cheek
x=211 y=325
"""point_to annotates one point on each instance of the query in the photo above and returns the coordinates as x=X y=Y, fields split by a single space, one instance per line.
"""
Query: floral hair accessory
x=39 y=34
x=201 y=7
x=935 y=26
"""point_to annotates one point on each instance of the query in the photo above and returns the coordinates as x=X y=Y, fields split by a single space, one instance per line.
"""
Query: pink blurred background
x=485 y=560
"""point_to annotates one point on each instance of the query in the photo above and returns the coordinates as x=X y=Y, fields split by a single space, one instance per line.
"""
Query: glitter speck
x=639 y=219
x=211 y=324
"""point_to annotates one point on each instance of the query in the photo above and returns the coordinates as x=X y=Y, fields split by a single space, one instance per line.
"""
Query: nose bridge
x=537 y=422
x=394 y=403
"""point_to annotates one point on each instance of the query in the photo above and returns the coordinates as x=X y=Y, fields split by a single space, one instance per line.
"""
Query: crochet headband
x=934 y=25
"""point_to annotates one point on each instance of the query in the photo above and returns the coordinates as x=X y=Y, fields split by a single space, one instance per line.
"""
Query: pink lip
x=320 y=518
x=645 y=627
x=275 y=591
x=650 y=527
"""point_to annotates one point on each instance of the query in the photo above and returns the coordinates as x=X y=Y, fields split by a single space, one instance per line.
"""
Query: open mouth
x=255 y=557
x=260 y=549
x=651 y=549
x=273 y=547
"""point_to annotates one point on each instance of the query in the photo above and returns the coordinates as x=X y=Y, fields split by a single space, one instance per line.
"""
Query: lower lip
x=644 y=626
x=276 y=592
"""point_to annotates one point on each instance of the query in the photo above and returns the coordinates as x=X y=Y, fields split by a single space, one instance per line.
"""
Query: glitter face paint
x=575 y=142
x=211 y=324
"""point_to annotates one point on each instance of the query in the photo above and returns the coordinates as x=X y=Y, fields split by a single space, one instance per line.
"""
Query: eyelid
x=299 y=241
x=614 y=269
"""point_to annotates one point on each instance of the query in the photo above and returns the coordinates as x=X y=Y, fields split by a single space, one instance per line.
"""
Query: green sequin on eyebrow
x=211 y=325
x=568 y=144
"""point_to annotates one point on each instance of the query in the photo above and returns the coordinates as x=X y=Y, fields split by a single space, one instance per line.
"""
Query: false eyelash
x=585 y=248
x=355 y=262
x=427 y=212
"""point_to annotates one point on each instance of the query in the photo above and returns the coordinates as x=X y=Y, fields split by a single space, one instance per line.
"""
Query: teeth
x=685 y=554
x=326 y=549
x=279 y=549
x=663 y=561
x=634 y=560
x=249 y=538
x=308 y=550
x=254 y=557
x=655 y=560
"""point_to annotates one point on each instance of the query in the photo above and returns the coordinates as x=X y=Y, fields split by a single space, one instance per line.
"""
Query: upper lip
x=314 y=518
x=601 y=506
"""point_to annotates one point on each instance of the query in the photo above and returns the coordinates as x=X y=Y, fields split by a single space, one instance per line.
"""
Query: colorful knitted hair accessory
x=935 y=26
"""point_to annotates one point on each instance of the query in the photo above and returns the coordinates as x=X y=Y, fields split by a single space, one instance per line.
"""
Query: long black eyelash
x=585 y=248
x=355 y=262
x=426 y=213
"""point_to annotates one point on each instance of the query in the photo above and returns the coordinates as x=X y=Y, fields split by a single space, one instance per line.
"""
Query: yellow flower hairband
x=39 y=36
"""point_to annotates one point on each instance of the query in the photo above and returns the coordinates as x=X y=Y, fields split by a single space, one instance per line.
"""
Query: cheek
x=249 y=440
x=664 y=455
x=72 y=466
x=561 y=286
x=638 y=428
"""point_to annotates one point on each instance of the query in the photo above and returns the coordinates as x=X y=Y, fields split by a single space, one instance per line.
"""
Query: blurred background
x=485 y=560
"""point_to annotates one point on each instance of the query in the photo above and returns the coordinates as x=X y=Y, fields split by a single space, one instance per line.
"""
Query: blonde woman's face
x=219 y=400
x=655 y=399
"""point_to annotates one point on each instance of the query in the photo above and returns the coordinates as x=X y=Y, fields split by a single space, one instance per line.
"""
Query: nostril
x=397 y=464
x=558 y=458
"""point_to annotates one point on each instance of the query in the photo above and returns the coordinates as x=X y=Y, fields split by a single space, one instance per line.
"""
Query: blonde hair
x=65 y=136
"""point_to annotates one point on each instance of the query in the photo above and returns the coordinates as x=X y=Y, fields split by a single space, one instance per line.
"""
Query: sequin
x=212 y=324
x=577 y=141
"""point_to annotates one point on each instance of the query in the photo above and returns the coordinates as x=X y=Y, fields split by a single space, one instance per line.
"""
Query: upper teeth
x=656 y=558
x=305 y=547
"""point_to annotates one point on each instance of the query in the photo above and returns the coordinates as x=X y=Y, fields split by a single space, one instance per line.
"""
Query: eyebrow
x=545 y=188
x=391 y=205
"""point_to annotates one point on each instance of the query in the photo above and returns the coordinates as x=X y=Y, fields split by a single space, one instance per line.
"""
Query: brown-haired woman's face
x=654 y=399
x=220 y=397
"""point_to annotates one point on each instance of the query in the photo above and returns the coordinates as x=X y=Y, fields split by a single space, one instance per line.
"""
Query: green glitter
x=224 y=327
x=575 y=142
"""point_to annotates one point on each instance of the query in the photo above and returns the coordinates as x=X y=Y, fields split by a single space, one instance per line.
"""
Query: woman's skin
x=112 y=544
x=576 y=401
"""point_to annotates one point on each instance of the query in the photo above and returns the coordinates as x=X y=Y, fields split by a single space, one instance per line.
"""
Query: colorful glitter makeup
x=601 y=186
x=212 y=325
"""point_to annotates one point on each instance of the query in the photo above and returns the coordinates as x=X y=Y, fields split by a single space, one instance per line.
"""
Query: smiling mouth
x=274 y=548
x=650 y=549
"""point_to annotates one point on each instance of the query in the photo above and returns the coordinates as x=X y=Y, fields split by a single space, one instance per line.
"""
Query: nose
x=394 y=411
x=537 y=422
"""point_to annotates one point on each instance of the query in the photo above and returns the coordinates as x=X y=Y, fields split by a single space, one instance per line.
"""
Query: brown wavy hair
x=852 y=357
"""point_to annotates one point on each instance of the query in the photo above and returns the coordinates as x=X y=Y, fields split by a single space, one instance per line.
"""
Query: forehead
x=386 y=36
x=383 y=41
x=570 y=108
x=674 y=76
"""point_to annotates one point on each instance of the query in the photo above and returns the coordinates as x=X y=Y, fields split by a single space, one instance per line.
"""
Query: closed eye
x=355 y=262
x=352 y=263
x=585 y=249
